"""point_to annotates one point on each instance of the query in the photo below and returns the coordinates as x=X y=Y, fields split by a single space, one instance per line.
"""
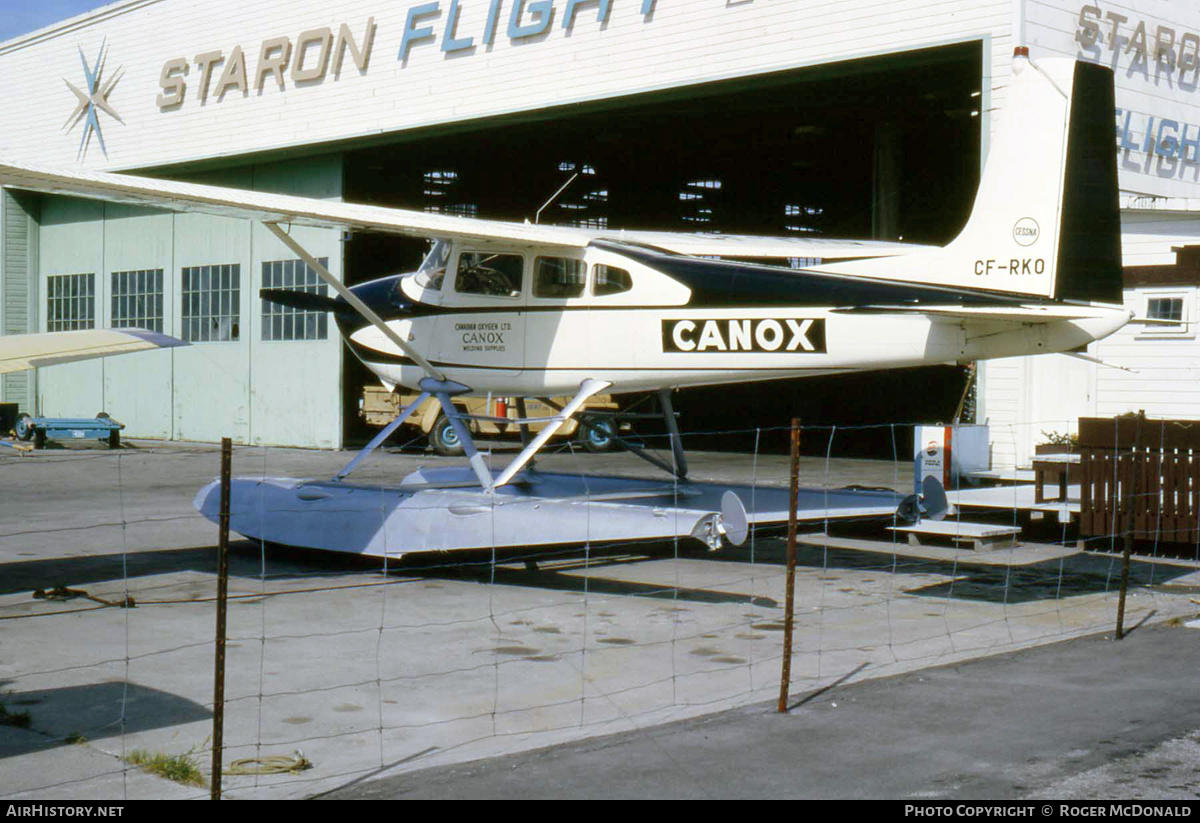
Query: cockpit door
x=482 y=324
x=557 y=327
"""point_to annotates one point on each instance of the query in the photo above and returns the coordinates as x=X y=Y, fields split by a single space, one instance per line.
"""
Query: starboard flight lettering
x=793 y=335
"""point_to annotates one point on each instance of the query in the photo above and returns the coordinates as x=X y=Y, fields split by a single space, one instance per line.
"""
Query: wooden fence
x=1141 y=474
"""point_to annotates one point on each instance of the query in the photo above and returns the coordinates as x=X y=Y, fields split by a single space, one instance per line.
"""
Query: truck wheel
x=24 y=427
x=444 y=438
x=601 y=437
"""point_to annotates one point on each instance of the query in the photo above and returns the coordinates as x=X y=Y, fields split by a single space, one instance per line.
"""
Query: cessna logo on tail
x=1026 y=231
x=762 y=334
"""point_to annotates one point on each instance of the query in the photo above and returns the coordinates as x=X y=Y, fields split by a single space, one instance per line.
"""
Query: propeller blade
x=305 y=301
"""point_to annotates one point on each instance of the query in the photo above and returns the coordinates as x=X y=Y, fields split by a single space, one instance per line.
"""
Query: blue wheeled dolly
x=41 y=429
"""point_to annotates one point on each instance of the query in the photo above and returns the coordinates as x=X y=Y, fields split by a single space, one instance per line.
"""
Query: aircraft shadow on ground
x=245 y=561
x=1079 y=574
x=1051 y=579
x=285 y=562
x=561 y=579
x=61 y=717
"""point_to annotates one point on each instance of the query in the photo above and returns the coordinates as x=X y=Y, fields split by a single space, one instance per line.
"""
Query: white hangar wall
x=1153 y=46
x=255 y=390
x=193 y=81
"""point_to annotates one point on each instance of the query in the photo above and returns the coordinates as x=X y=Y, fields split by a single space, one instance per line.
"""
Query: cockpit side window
x=611 y=280
x=492 y=275
x=559 y=277
x=432 y=270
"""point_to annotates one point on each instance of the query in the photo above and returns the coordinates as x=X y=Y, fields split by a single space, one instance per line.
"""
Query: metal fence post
x=790 y=596
x=1130 y=521
x=218 y=733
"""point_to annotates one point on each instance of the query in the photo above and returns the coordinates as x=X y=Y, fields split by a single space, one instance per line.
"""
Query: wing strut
x=587 y=388
x=678 y=466
x=383 y=435
x=444 y=390
x=664 y=399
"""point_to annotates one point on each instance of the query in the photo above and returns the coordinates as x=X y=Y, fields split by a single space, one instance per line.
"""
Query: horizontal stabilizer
x=1087 y=358
x=1158 y=321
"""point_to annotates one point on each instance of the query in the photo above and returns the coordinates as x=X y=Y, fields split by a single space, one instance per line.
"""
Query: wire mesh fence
x=342 y=668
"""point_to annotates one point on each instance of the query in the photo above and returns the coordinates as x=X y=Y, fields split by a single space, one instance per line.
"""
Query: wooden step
x=981 y=536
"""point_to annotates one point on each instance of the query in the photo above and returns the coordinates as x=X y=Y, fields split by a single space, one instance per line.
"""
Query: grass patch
x=181 y=768
x=20 y=720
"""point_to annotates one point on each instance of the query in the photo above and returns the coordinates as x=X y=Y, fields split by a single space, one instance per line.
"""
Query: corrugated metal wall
x=18 y=289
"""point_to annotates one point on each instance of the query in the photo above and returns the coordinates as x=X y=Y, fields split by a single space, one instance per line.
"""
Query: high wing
x=276 y=208
x=1045 y=222
x=756 y=247
x=29 y=351
x=305 y=211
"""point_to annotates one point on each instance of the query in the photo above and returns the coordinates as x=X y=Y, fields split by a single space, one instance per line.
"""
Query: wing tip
x=158 y=339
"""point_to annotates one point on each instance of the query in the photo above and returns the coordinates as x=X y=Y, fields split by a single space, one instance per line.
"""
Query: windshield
x=433 y=268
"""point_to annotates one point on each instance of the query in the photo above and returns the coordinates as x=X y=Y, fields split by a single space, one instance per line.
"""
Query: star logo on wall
x=92 y=100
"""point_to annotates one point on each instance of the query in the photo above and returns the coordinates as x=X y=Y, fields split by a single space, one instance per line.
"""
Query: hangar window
x=70 y=302
x=137 y=299
x=611 y=280
x=211 y=303
x=493 y=275
x=1165 y=308
x=281 y=322
x=600 y=222
x=559 y=277
x=439 y=182
x=795 y=213
x=1171 y=310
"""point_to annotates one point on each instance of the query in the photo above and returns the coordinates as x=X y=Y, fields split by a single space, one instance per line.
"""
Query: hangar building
x=851 y=118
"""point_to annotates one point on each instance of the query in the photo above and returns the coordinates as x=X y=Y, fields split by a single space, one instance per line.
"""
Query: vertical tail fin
x=1045 y=220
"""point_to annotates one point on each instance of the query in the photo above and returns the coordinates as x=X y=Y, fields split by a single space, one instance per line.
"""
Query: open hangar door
x=886 y=147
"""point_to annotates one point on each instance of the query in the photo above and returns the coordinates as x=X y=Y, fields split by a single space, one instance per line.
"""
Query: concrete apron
x=371 y=675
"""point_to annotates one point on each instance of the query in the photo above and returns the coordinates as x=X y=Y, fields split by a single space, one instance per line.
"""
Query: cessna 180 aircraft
x=528 y=310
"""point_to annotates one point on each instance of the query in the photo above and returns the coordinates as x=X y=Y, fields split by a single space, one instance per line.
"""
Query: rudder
x=1089 y=246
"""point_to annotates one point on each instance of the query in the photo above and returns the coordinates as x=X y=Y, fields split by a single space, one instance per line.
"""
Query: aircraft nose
x=383 y=296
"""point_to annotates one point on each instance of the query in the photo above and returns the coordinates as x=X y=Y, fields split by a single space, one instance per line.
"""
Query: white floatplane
x=522 y=310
